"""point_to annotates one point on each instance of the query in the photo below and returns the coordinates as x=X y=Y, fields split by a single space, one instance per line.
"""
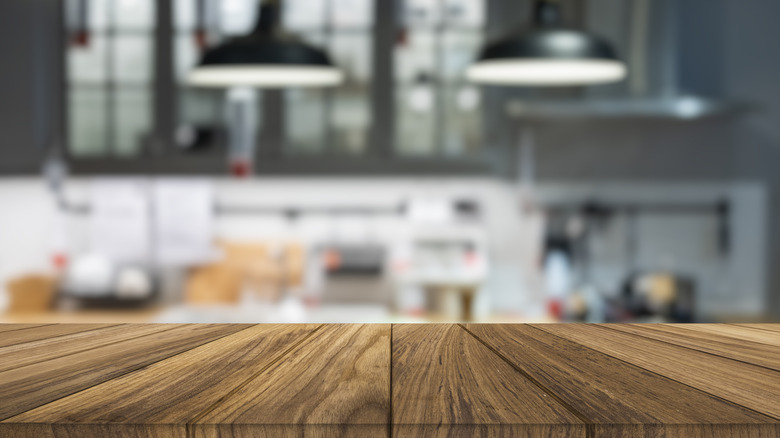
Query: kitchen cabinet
x=103 y=83
x=129 y=109
x=29 y=121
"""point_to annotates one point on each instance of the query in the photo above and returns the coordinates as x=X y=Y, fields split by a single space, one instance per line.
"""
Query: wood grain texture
x=241 y=381
x=11 y=327
x=770 y=327
x=619 y=399
x=171 y=392
x=45 y=430
x=733 y=331
x=338 y=378
x=446 y=383
x=34 y=385
x=28 y=353
x=754 y=387
x=741 y=350
x=31 y=334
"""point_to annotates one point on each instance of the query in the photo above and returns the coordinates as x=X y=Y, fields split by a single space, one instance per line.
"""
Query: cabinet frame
x=158 y=156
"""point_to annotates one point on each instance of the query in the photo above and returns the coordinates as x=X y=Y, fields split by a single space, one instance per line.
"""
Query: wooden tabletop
x=558 y=380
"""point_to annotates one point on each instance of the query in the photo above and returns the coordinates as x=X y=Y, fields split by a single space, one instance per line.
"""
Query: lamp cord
x=547 y=13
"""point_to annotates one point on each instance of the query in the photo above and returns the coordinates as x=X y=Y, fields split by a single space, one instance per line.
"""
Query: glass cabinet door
x=202 y=114
x=437 y=110
x=109 y=65
x=120 y=105
x=337 y=120
x=314 y=122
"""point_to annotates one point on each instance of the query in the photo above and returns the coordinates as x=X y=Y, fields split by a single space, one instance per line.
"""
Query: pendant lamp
x=548 y=55
x=266 y=58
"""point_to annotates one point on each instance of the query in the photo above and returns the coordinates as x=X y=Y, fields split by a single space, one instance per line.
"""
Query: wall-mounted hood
x=658 y=108
x=673 y=53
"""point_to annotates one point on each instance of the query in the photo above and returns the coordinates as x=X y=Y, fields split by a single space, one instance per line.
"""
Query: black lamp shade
x=266 y=58
x=550 y=43
x=264 y=50
x=549 y=55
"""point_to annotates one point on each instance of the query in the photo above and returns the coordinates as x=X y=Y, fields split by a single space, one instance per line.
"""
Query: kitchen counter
x=244 y=380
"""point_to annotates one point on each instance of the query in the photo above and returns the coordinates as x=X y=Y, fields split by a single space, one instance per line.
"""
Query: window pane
x=417 y=56
x=351 y=118
x=98 y=17
x=459 y=50
x=132 y=58
x=305 y=120
x=133 y=14
x=422 y=13
x=416 y=93
x=186 y=55
x=87 y=121
x=132 y=121
x=202 y=110
x=202 y=113
x=201 y=124
x=201 y=106
x=462 y=120
x=89 y=64
x=305 y=15
x=352 y=52
x=351 y=122
x=416 y=118
x=306 y=113
x=464 y=13
x=350 y=14
x=237 y=17
x=184 y=14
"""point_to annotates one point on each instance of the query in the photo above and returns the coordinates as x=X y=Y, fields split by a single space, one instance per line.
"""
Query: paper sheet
x=119 y=223
x=183 y=221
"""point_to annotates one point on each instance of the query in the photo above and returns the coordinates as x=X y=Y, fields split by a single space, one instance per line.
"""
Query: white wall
x=26 y=212
x=732 y=285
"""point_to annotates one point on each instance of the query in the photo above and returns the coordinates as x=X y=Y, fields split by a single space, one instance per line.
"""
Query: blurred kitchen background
x=407 y=192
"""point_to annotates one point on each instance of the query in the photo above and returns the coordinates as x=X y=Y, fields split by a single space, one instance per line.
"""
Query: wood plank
x=31 y=430
x=20 y=355
x=446 y=383
x=44 y=332
x=166 y=395
x=336 y=383
x=34 y=385
x=754 y=387
x=619 y=399
x=352 y=380
x=11 y=327
x=751 y=352
x=733 y=331
x=770 y=327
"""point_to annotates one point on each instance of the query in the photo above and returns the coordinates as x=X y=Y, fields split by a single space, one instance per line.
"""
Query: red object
x=401 y=265
x=332 y=260
x=416 y=312
x=80 y=38
x=402 y=37
x=201 y=39
x=60 y=261
x=555 y=308
x=240 y=169
x=311 y=301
